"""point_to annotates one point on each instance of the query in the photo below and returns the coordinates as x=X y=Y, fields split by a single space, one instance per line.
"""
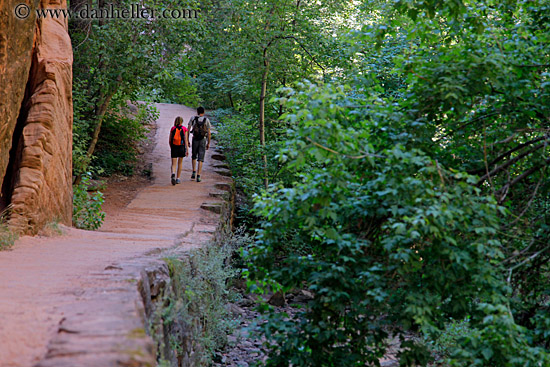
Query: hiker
x=199 y=126
x=179 y=137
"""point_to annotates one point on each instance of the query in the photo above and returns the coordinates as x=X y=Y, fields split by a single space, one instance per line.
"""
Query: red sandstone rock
x=16 y=44
x=35 y=58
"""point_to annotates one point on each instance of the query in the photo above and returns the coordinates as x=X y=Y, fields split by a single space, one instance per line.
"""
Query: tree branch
x=528 y=204
x=509 y=163
x=532 y=66
x=469 y=122
x=299 y=44
x=523 y=175
x=507 y=153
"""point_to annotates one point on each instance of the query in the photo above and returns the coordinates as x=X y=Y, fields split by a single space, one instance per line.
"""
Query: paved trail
x=71 y=300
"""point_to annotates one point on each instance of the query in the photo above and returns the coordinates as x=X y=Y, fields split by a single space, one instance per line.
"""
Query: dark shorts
x=177 y=151
x=198 y=149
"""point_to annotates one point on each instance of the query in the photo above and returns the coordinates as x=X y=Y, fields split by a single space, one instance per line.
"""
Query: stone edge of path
x=116 y=333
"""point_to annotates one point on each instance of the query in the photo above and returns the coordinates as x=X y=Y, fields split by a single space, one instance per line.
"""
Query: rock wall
x=16 y=45
x=37 y=178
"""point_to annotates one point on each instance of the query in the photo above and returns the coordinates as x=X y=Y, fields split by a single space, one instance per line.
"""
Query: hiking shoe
x=173 y=179
x=178 y=180
x=193 y=175
x=198 y=178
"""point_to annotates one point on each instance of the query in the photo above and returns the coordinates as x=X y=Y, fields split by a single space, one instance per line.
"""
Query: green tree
x=391 y=242
x=423 y=191
x=479 y=99
x=251 y=48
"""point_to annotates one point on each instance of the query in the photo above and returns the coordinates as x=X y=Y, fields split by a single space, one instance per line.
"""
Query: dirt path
x=72 y=300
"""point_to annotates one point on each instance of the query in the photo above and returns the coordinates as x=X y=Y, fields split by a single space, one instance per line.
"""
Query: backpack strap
x=172 y=133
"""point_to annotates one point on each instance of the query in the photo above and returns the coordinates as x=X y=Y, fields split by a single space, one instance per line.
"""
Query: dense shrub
x=87 y=213
x=122 y=132
x=395 y=243
x=237 y=135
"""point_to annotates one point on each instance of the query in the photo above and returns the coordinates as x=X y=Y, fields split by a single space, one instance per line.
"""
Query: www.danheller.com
x=133 y=11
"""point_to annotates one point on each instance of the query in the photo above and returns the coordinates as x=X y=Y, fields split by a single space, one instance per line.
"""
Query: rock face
x=36 y=106
x=16 y=44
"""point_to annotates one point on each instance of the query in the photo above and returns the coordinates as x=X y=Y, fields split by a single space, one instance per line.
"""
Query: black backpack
x=199 y=128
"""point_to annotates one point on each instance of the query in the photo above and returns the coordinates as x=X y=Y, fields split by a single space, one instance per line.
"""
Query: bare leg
x=173 y=170
x=200 y=168
x=193 y=164
x=180 y=161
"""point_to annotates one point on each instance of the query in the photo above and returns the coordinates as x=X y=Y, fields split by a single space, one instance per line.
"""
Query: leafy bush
x=81 y=128
x=175 y=85
x=238 y=137
x=396 y=243
x=87 y=213
x=122 y=131
x=450 y=337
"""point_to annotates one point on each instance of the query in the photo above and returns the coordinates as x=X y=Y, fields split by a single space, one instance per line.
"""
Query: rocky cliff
x=36 y=111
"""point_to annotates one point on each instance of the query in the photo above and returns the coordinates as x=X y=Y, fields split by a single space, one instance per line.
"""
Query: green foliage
x=477 y=99
x=238 y=137
x=7 y=237
x=450 y=337
x=499 y=342
x=175 y=85
x=397 y=242
x=122 y=131
x=81 y=127
x=87 y=213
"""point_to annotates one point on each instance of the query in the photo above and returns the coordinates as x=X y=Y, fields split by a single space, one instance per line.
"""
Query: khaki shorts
x=198 y=149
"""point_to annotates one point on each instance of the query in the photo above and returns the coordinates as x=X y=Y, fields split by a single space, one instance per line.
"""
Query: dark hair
x=200 y=110
x=178 y=121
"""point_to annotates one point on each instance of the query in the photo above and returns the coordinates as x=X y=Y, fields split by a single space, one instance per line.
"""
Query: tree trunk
x=100 y=115
x=95 y=136
x=262 y=115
